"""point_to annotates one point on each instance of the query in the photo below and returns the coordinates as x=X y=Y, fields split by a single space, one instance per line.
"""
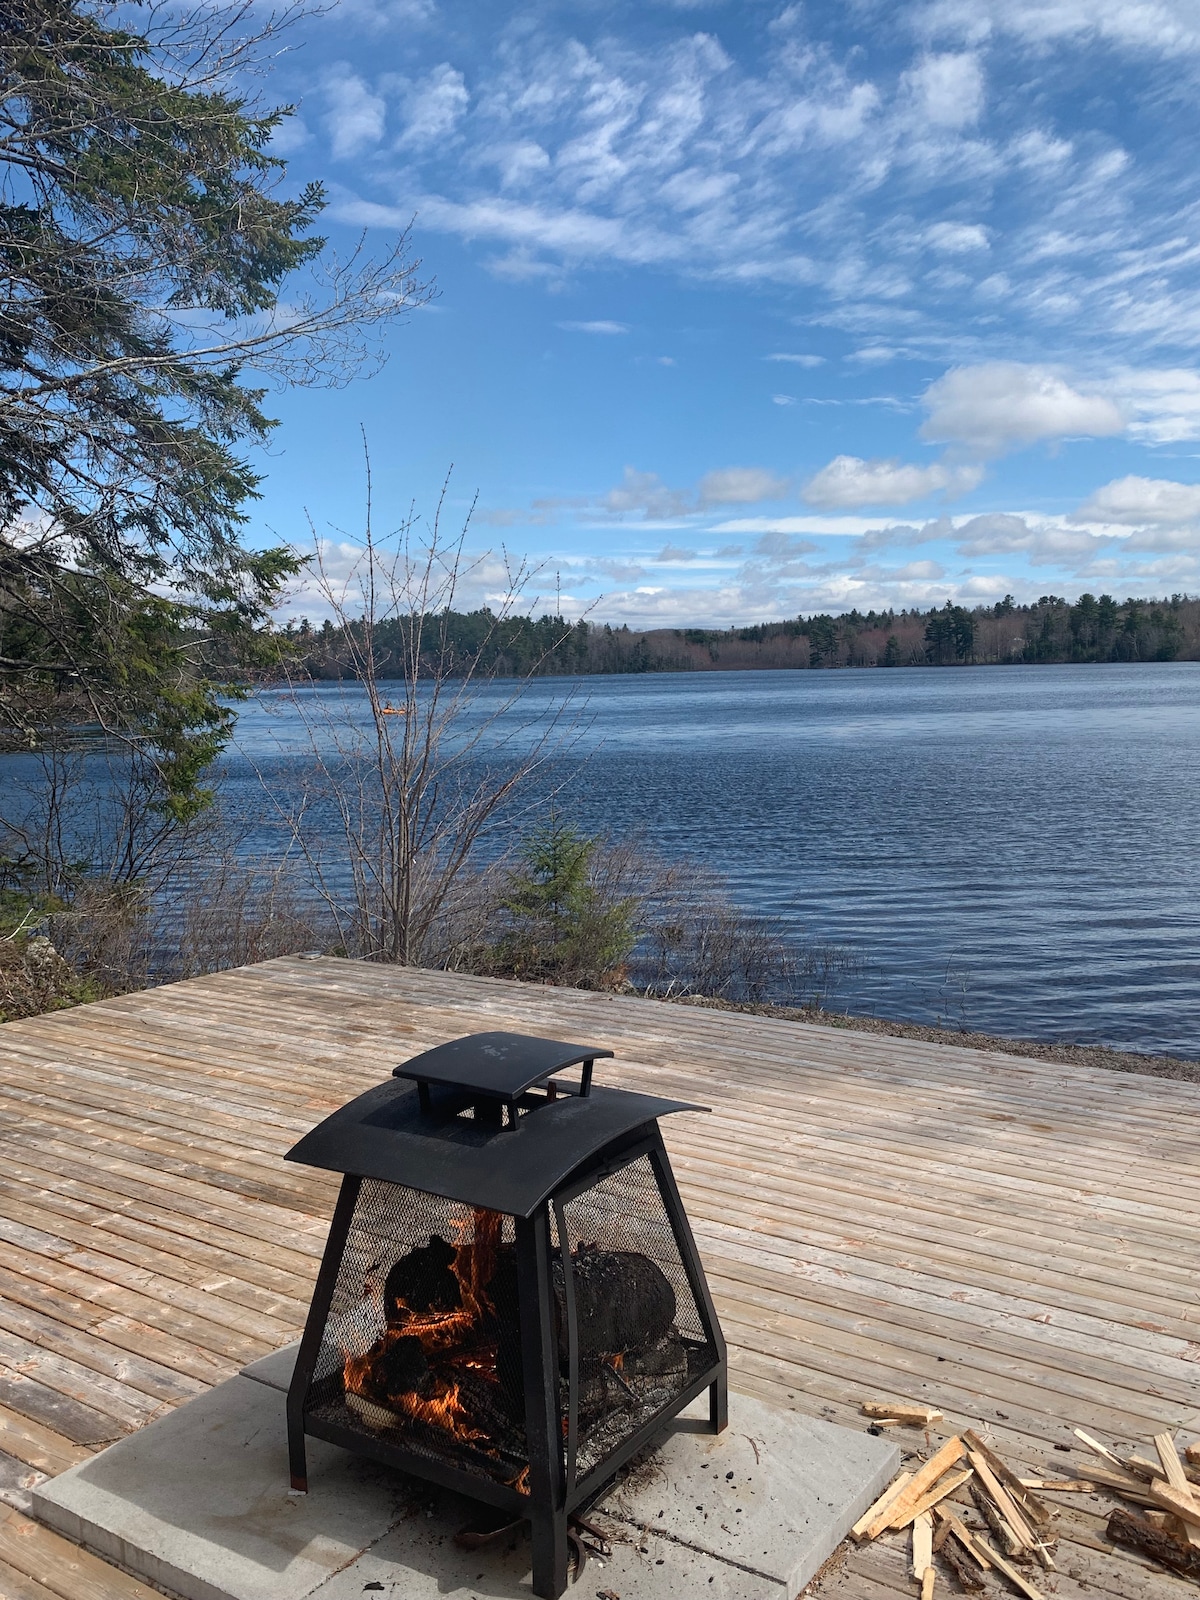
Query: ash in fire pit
x=511 y=1302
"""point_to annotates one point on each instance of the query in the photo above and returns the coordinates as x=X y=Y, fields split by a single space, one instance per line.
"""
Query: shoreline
x=1081 y=1055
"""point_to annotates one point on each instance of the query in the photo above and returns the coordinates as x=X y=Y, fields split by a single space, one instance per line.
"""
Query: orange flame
x=461 y=1335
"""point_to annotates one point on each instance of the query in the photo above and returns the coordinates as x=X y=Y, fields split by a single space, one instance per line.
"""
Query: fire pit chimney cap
x=499 y=1066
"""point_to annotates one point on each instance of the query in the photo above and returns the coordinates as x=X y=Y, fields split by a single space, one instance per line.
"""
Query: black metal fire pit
x=510 y=1303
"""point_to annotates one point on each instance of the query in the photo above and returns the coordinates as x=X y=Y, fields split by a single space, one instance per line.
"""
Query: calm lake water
x=1017 y=848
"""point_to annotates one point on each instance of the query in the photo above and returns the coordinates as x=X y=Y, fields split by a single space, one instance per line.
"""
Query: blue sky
x=748 y=310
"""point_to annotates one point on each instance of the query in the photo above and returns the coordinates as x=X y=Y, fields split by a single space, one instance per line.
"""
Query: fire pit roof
x=429 y=1138
x=503 y=1065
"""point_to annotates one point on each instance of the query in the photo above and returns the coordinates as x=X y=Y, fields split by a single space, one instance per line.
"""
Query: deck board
x=1012 y=1239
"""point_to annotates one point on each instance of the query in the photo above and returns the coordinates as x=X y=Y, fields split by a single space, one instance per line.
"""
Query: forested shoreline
x=1052 y=630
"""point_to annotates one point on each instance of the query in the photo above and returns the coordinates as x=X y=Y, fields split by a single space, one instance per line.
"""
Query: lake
x=1016 y=848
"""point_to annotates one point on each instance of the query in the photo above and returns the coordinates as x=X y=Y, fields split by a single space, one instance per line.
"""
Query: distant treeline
x=1050 y=630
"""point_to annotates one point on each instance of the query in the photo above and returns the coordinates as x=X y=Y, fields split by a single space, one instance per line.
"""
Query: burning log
x=623 y=1302
x=450 y=1354
x=423 y=1280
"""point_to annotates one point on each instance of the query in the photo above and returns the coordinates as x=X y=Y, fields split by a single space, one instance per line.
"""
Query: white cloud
x=741 y=486
x=356 y=117
x=800 y=360
x=1043 y=544
x=957 y=238
x=948 y=89
x=673 y=553
x=434 y=107
x=823 y=167
x=1163 y=403
x=376 y=15
x=1167 y=27
x=601 y=326
x=291 y=135
x=518 y=162
x=850 y=481
x=1135 y=502
x=838 y=527
x=784 y=399
x=645 y=492
x=1002 y=405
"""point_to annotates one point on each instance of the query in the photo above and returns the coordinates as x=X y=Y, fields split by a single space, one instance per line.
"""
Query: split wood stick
x=1010 y=1572
x=1031 y=1507
x=1139 y=1534
x=920 y=1483
x=928 y=1579
x=1154 y=1469
x=1003 y=1501
x=1192 y=1454
x=936 y=1495
x=917 y=1416
x=965 y=1538
x=966 y=1574
x=1172 y=1467
x=1179 y=1505
x=1001 y=1531
x=922 y=1544
x=889 y=1495
x=1121 y=1483
x=1062 y=1485
x=1099 y=1449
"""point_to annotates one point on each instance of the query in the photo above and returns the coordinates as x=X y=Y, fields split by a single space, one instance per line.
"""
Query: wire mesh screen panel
x=641 y=1336
x=422 y=1344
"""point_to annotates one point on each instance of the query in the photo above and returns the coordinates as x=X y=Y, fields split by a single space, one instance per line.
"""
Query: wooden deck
x=1012 y=1240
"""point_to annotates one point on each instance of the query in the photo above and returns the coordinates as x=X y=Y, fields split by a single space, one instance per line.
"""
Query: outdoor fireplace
x=510 y=1303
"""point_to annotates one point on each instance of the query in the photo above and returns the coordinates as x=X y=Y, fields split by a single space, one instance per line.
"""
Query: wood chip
x=889 y=1495
x=920 y=1483
x=910 y=1415
x=922 y=1544
x=1192 y=1455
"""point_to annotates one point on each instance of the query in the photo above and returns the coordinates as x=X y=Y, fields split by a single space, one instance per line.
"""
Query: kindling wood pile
x=929 y=1503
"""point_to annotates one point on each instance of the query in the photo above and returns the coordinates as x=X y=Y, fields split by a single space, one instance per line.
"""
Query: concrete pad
x=198 y=1503
x=274 y=1370
x=776 y=1493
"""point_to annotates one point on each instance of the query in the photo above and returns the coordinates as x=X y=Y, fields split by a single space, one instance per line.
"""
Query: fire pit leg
x=718 y=1403
x=543 y=1426
x=718 y=1394
x=314 y=1330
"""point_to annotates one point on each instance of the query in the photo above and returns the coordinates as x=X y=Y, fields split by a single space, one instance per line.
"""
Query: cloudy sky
x=749 y=309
